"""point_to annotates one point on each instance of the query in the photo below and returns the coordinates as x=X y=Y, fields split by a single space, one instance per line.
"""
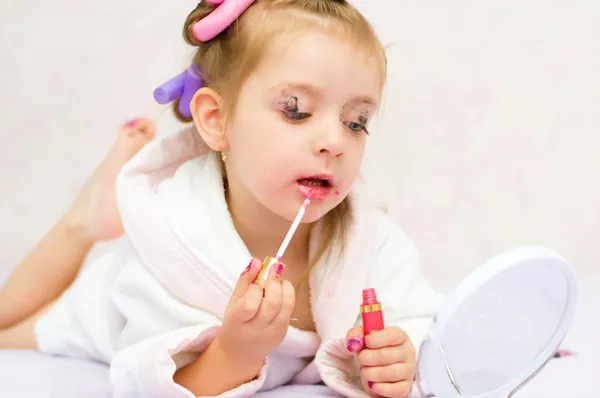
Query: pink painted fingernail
x=132 y=123
x=278 y=269
x=248 y=268
x=355 y=344
x=370 y=385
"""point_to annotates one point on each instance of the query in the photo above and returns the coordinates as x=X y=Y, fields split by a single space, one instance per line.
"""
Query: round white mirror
x=500 y=326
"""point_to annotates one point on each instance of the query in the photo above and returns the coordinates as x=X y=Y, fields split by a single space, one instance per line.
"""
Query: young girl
x=288 y=90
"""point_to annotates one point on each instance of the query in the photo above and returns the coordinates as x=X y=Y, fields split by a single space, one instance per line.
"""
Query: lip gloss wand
x=269 y=261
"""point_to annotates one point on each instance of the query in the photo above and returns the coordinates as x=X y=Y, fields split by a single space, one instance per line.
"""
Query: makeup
x=316 y=187
x=355 y=344
x=269 y=262
x=363 y=117
x=354 y=117
x=289 y=108
x=290 y=104
x=371 y=312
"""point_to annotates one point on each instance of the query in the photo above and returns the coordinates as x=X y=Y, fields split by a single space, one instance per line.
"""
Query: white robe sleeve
x=146 y=369
x=116 y=312
x=160 y=336
x=83 y=323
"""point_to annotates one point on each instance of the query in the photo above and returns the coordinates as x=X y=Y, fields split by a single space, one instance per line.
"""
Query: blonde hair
x=228 y=59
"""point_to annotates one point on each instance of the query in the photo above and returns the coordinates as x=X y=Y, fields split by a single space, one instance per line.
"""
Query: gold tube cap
x=263 y=275
x=370 y=308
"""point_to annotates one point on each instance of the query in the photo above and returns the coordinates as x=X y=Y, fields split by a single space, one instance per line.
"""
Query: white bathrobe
x=154 y=304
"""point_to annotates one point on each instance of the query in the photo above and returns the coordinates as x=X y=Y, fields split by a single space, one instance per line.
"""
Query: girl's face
x=301 y=123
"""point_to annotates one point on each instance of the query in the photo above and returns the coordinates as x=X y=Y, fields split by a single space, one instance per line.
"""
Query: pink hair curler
x=186 y=84
x=220 y=18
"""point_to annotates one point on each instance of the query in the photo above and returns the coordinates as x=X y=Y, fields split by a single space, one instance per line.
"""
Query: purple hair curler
x=182 y=86
x=193 y=83
x=170 y=90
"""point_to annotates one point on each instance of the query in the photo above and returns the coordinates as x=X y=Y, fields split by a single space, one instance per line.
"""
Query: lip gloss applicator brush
x=269 y=261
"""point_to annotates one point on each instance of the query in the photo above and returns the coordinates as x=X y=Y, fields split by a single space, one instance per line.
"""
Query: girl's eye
x=295 y=115
x=290 y=110
x=356 y=127
x=361 y=124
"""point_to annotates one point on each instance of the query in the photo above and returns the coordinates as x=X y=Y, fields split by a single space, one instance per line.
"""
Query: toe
x=138 y=131
x=146 y=127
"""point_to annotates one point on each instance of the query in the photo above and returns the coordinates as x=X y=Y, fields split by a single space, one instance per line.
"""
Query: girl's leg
x=21 y=336
x=54 y=262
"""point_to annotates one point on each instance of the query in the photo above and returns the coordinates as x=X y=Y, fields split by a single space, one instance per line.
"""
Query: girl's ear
x=207 y=112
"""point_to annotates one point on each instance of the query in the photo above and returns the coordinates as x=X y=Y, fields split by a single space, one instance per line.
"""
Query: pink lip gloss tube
x=371 y=312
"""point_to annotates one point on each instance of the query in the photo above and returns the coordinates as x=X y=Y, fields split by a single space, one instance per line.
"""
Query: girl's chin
x=314 y=214
x=316 y=210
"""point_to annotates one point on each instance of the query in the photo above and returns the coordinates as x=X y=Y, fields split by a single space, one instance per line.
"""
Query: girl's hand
x=387 y=360
x=256 y=320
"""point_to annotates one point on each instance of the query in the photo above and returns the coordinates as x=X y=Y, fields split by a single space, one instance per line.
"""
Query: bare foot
x=95 y=208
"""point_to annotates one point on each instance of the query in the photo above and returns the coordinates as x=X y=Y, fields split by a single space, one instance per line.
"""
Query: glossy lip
x=325 y=177
x=318 y=193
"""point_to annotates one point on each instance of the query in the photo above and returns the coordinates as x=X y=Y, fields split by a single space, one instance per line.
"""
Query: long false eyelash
x=361 y=127
x=363 y=117
x=296 y=116
x=290 y=104
x=290 y=109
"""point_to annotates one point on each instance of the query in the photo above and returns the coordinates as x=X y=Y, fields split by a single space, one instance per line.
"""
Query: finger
x=246 y=308
x=388 y=337
x=271 y=302
x=246 y=279
x=270 y=268
x=367 y=385
x=384 y=356
x=400 y=389
x=276 y=271
x=388 y=373
x=288 y=302
x=355 y=339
